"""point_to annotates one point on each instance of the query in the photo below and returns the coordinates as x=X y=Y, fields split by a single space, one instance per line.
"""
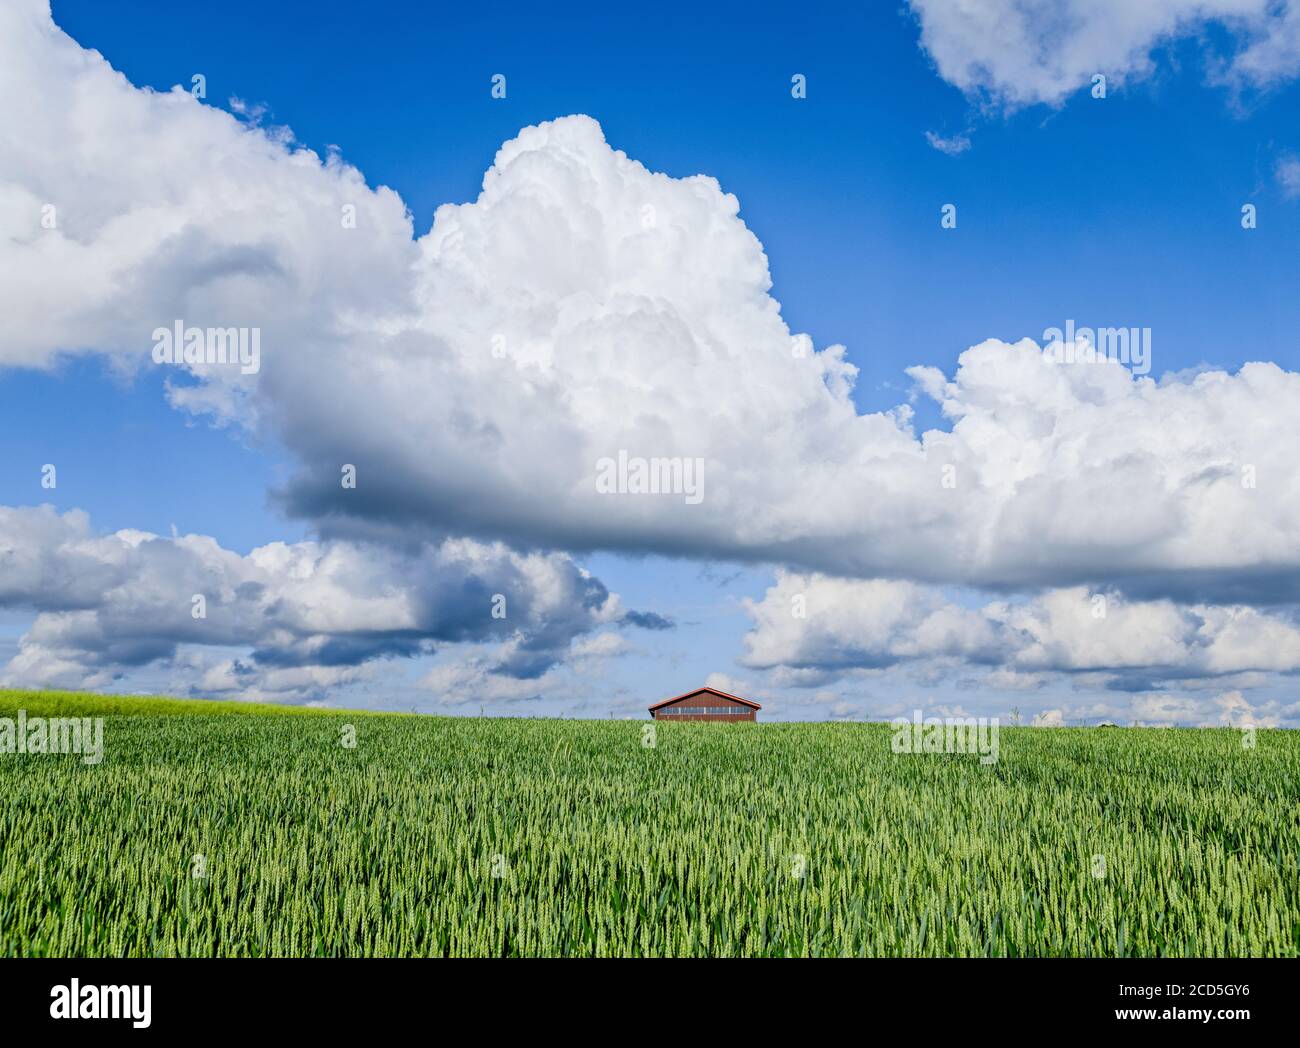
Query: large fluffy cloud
x=1022 y=492
x=308 y=614
x=815 y=622
x=823 y=627
x=122 y=210
x=580 y=307
x=1021 y=52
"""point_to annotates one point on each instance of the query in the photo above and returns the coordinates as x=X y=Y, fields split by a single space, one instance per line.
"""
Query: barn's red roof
x=700 y=691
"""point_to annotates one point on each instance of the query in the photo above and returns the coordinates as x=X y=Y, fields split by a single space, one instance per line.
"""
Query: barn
x=705 y=704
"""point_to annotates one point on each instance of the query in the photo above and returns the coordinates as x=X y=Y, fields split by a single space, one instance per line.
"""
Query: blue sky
x=1117 y=211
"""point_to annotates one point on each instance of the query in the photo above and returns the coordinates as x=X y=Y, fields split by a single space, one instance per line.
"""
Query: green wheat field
x=228 y=829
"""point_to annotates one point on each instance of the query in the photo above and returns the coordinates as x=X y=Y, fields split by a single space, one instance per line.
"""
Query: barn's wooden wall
x=743 y=712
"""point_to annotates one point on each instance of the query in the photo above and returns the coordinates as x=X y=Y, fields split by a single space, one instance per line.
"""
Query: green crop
x=211 y=834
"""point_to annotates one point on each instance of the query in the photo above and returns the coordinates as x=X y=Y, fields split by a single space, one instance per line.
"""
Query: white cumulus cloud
x=581 y=306
x=307 y=614
x=815 y=624
x=1022 y=52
